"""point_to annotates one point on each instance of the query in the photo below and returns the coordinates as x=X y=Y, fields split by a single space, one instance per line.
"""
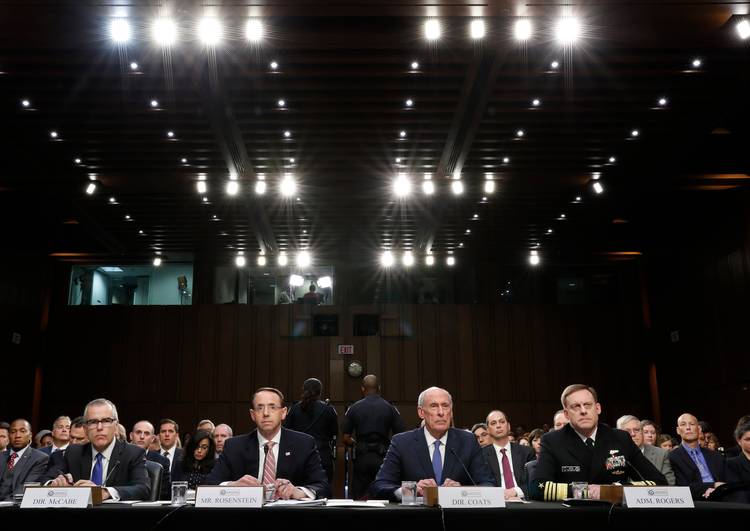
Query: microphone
x=110 y=473
x=265 y=456
x=463 y=465
x=636 y=470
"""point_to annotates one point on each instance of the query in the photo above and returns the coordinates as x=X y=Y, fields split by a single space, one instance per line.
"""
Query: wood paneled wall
x=205 y=361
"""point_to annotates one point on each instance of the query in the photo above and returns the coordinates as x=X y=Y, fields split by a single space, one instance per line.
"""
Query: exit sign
x=346 y=349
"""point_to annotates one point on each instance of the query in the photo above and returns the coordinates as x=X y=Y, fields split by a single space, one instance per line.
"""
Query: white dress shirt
x=519 y=491
x=262 y=459
x=107 y=455
x=430 y=450
x=59 y=448
x=19 y=453
x=170 y=454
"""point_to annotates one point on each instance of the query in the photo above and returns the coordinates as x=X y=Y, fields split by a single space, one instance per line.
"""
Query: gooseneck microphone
x=463 y=465
x=111 y=472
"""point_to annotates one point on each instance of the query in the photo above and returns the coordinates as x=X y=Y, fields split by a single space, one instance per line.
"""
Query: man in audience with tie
x=60 y=436
x=506 y=459
x=143 y=435
x=4 y=435
x=658 y=456
x=699 y=468
x=272 y=455
x=20 y=463
x=434 y=455
x=168 y=433
x=587 y=451
x=222 y=432
x=118 y=467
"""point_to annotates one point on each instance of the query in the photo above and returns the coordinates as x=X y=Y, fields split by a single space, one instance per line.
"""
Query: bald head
x=688 y=429
x=370 y=384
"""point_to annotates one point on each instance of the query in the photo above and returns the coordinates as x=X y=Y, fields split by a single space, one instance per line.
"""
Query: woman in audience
x=712 y=443
x=665 y=441
x=197 y=459
x=650 y=432
x=738 y=468
x=523 y=441
x=536 y=440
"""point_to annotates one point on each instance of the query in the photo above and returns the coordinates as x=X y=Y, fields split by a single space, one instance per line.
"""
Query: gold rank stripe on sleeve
x=555 y=491
x=645 y=483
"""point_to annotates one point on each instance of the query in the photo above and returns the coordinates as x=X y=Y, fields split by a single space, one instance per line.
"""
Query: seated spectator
x=480 y=432
x=536 y=440
x=60 y=436
x=78 y=433
x=738 y=467
x=665 y=442
x=20 y=463
x=706 y=431
x=43 y=439
x=650 y=432
x=656 y=456
x=712 y=443
x=736 y=450
x=523 y=441
x=4 y=435
x=206 y=425
x=701 y=469
x=197 y=460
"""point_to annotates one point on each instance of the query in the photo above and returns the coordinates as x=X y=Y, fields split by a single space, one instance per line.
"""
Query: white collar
x=430 y=439
x=276 y=439
x=507 y=447
x=107 y=452
x=592 y=436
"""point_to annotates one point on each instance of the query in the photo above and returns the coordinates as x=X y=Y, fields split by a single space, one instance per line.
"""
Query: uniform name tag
x=471 y=497
x=68 y=497
x=657 y=497
x=229 y=497
x=570 y=468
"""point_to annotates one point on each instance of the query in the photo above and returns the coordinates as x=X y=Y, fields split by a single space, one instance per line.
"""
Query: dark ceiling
x=344 y=72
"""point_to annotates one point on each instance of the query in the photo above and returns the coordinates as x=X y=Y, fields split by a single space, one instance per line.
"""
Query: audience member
x=197 y=460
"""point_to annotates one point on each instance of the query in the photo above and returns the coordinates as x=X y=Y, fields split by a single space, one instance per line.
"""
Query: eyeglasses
x=105 y=422
x=270 y=407
x=578 y=407
x=203 y=447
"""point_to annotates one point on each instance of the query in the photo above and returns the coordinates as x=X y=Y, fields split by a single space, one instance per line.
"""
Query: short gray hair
x=101 y=402
x=423 y=394
x=228 y=427
x=625 y=419
x=58 y=419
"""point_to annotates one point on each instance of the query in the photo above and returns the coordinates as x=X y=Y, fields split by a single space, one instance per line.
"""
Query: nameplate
x=68 y=497
x=229 y=497
x=468 y=497
x=658 y=497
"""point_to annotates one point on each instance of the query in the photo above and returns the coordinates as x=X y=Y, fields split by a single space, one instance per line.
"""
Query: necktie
x=590 y=443
x=437 y=462
x=269 y=466
x=166 y=454
x=12 y=461
x=507 y=472
x=96 y=473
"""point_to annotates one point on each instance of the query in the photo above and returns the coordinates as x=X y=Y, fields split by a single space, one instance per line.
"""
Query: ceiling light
x=205 y=199
x=91 y=187
x=534 y=258
x=662 y=102
x=477 y=29
x=128 y=218
x=201 y=185
x=522 y=30
x=210 y=31
x=112 y=200
x=578 y=198
x=468 y=231
x=562 y=216
x=428 y=187
x=260 y=187
x=25 y=104
x=408 y=259
x=254 y=30
x=598 y=188
x=414 y=65
x=134 y=66
x=743 y=29
x=506 y=160
x=281 y=103
x=233 y=187
x=612 y=160
x=536 y=102
x=549 y=231
x=402 y=134
x=183 y=160
x=520 y=133
x=165 y=31
x=140 y=231
x=457 y=187
x=240 y=261
x=296 y=280
x=157 y=262
x=554 y=65
x=288 y=186
x=53 y=134
x=409 y=103
x=77 y=160
x=475 y=216
x=697 y=63
x=154 y=103
x=386 y=259
x=325 y=282
x=274 y=65
x=170 y=134
x=634 y=133
x=303 y=259
x=282 y=259
x=567 y=30
x=287 y=134
x=489 y=187
x=119 y=30
x=429 y=260
x=450 y=261
x=432 y=29
x=291 y=161
x=261 y=260
x=402 y=186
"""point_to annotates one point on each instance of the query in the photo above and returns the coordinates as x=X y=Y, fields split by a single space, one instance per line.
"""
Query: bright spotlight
x=157 y=261
x=450 y=261
x=210 y=31
x=457 y=187
x=568 y=30
x=119 y=30
x=489 y=187
x=261 y=260
x=233 y=187
x=91 y=188
x=282 y=259
x=325 y=282
x=534 y=258
x=743 y=29
x=240 y=261
x=522 y=30
x=402 y=186
x=260 y=187
x=428 y=187
x=429 y=260
x=387 y=259
x=303 y=259
x=477 y=29
x=165 y=31
x=202 y=188
x=296 y=281
x=288 y=186
x=432 y=29
x=598 y=188
x=254 y=30
x=408 y=259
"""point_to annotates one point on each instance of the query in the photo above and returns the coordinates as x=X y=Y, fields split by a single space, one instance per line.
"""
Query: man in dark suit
x=272 y=455
x=117 y=466
x=60 y=436
x=699 y=468
x=506 y=459
x=585 y=450
x=20 y=463
x=143 y=435
x=434 y=455
x=169 y=432
x=78 y=435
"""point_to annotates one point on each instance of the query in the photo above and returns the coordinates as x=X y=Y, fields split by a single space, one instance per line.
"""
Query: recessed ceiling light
x=127 y=217
x=183 y=160
x=202 y=187
x=402 y=186
x=303 y=259
x=274 y=65
x=549 y=231
x=409 y=103
x=407 y=259
x=165 y=31
x=428 y=187
x=282 y=259
x=475 y=216
x=140 y=231
x=402 y=134
x=134 y=66
x=25 y=104
x=112 y=200
x=506 y=160
x=457 y=187
x=254 y=30
x=77 y=161
x=567 y=30
x=414 y=65
x=119 y=30
x=489 y=187
x=281 y=103
x=477 y=29
x=432 y=29
x=554 y=65
x=520 y=133
x=232 y=187
x=562 y=216
x=662 y=102
x=210 y=31
x=288 y=186
x=170 y=134
x=53 y=134
x=91 y=188
x=429 y=260
x=468 y=231
x=697 y=63
x=261 y=260
x=386 y=259
x=536 y=102
x=598 y=188
x=287 y=134
x=534 y=258
x=291 y=161
x=240 y=260
x=612 y=160
x=157 y=261
x=450 y=261
x=743 y=29
x=154 y=103
x=635 y=133
x=578 y=198
x=522 y=30
x=260 y=187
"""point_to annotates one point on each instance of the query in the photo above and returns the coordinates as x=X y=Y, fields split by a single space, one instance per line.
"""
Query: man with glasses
x=587 y=451
x=118 y=467
x=657 y=456
x=436 y=455
x=272 y=455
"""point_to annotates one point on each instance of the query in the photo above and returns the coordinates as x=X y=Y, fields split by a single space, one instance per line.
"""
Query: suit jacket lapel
x=492 y=460
x=113 y=460
x=423 y=454
x=687 y=462
x=252 y=455
x=284 y=460
x=577 y=448
x=21 y=466
x=86 y=459
x=518 y=462
x=449 y=462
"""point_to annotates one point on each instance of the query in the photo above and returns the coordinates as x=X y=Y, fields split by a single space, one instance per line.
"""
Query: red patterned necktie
x=269 y=466
x=507 y=472
x=12 y=461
